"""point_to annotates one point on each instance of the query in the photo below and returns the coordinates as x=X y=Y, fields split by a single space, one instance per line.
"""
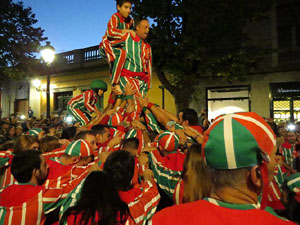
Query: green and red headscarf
x=79 y=148
x=237 y=141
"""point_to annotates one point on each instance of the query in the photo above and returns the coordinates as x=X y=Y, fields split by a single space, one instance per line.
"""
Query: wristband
x=128 y=97
x=150 y=104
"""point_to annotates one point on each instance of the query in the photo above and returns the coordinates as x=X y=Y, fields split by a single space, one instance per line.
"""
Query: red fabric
x=142 y=75
x=173 y=161
x=104 y=120
x=56 y=169
x=17 y=194
x=70 y=219
x=129 y=196
x=205 y=213
x=198 y=128
x=150 y=104
x=179 y=192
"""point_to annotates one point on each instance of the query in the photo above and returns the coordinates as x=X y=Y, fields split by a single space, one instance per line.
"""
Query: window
x=286 y=102
x=222 y=100
x=61 y=100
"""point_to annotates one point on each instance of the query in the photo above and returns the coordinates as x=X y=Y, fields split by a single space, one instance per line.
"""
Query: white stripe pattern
x=10 y=215
x=23 y=213
x=40 y=207
x=228 y=139
x=293 y=181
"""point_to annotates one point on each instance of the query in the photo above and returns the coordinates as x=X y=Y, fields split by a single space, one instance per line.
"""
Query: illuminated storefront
x=285 y=101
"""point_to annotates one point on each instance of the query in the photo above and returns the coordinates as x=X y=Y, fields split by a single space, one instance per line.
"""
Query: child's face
x=125 y=9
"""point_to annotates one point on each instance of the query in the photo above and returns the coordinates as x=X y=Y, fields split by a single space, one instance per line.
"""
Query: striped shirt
x=289 y=153
x=115 y=25
x=138 y=57
x=142 y=202
x=85 y=101
x=27 y=203
x=167 y=170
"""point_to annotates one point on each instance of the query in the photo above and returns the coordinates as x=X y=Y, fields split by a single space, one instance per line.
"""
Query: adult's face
x=91 y=139
x=105 y=136
x=43 y=171
x=271 y=165
x=142 y=29
x=291 y=137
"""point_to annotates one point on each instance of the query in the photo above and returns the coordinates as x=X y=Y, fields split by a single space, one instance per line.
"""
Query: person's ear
x=256 y=178
x=36 y=172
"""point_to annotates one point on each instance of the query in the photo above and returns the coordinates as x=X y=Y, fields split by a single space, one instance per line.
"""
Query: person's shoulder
x=176 y=212
x=204 y=212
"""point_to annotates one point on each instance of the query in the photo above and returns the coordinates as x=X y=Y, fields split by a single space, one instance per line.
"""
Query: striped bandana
x=168 y=140
x=79 y=148
x=34 y=131
x=132 y=133
x=115 y=119
x=237 y=141
x=293 y=183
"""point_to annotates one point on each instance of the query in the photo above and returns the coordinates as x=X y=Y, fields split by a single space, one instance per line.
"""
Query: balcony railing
x=78 y=59
x=79 y=55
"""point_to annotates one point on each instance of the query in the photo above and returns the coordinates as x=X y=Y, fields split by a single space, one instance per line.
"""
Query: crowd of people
x=136 y=163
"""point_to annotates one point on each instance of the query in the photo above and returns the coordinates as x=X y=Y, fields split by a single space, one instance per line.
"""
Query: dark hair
x=24 y=163
x=191 y=116
x=24 y=142
x=120 y=166
x=130 y=143
x=68 y=133
x=99 y=128
x=49 y=143
x=99 y=198
x=152 y=135
x=83 y=134
x=138 y=20
x=121 y=2
x=292 y=206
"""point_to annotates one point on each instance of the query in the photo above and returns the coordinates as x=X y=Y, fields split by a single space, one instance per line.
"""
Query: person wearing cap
x=28 y=202
x=81 y=106
x=289 y=153
x=70 y=165
x=36 y=132
x=239 y=151
x=291 y=198
x=166 y=161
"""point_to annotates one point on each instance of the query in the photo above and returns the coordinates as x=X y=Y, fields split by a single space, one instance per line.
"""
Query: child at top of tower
x=119 y=24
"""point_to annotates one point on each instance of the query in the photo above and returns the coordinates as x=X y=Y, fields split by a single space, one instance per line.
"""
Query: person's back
x=205 y=213
x=240 y=162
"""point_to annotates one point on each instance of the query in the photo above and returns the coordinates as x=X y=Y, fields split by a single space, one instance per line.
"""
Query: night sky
x=72 y=24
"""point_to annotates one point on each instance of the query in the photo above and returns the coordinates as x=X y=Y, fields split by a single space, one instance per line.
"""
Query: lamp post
x=48 y=56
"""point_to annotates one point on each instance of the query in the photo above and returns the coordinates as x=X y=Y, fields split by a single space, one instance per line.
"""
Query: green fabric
x=99 y=84
x=166 y=179
x=293 y=182
x=246 y=151
x=215 y=148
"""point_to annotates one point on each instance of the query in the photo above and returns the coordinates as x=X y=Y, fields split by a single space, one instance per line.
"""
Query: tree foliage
x=192 y=39
x=19 y=39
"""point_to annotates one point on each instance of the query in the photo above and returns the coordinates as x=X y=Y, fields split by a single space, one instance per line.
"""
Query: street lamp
x=48 y=53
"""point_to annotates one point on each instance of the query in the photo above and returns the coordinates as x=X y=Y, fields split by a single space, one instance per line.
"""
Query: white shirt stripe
x=24 y=206
x=228 y=139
